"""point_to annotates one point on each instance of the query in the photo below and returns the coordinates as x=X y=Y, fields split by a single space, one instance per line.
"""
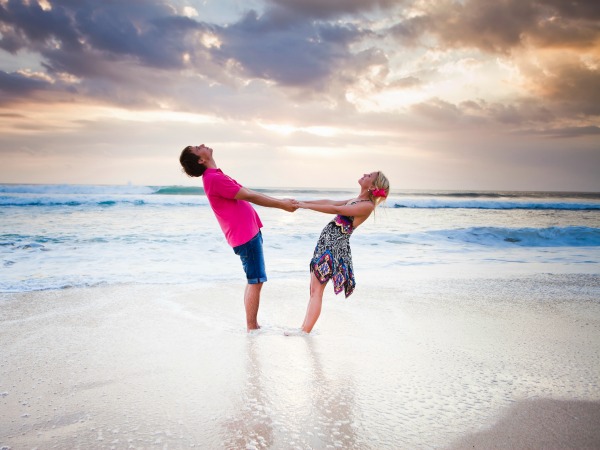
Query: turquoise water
x=58 y=236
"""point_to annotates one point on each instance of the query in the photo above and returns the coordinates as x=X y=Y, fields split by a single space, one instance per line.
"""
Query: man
x=239 y=221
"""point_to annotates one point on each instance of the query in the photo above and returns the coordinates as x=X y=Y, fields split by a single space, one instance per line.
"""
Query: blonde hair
x=381 y=182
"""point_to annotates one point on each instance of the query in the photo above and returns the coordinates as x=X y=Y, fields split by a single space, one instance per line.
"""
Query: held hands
x=290 y=204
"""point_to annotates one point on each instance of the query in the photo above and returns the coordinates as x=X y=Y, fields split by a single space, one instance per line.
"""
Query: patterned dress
x=332 y=258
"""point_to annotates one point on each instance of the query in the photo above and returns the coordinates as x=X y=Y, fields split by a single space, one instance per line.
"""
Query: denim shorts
x=253 y=260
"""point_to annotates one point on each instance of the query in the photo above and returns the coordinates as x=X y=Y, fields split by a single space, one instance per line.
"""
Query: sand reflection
x=252 y=426
x=293 y=401
x=332 y=418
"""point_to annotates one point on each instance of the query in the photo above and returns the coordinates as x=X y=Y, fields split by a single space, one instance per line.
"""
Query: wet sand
x=429 y=364
x=543 y=423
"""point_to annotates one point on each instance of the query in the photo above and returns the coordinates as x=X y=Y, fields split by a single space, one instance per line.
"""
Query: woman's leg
x=314 y=304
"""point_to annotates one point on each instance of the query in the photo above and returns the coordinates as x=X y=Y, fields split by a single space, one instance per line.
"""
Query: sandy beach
x=431 y=364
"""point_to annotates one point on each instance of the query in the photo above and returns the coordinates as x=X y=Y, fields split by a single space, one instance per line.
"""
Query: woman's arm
x=358 y=209
x=326 y=202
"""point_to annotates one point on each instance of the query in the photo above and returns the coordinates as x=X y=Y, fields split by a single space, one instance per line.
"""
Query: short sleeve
x=226 y=187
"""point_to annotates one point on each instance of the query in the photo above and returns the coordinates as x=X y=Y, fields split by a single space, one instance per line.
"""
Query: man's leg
x=252 y=301
x=253 y=261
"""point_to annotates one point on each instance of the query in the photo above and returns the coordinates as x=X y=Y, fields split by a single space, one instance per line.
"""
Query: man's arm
x=264 y=200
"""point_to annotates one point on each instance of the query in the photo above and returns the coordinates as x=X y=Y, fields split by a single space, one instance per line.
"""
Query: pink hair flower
x=379 y=193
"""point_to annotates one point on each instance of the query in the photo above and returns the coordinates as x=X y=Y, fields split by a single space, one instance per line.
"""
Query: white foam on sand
x=416 y=366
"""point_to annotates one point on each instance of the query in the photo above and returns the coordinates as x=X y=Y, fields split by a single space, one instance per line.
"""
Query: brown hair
x=190 y=163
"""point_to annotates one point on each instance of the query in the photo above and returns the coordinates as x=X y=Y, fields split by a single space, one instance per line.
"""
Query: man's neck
x=211 y=164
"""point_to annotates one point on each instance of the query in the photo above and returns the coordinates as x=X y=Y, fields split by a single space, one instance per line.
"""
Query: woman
x=332 y=258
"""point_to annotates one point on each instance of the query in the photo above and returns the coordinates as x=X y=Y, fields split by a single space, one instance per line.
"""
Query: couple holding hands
x=332 y=258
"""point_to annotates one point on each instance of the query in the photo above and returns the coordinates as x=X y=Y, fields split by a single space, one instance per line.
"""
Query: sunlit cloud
x=210 y=40
x=45 y=4
x=62 y=117
x=315 y=152
x=286 y=130
x=155 y=116
x=189 y=11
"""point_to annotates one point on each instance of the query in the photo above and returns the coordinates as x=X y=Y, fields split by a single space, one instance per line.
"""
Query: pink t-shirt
x=238 y=219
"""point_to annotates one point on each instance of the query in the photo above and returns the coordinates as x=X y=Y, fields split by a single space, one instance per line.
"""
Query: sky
x=438 y=94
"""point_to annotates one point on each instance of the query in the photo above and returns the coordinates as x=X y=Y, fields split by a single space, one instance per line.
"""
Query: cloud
x=502 y=26
x=318 y=9
x=553 y=46
x=19 y=83
x=299 y=54
x=298 y=60
x=144 y=31
x=108 y=46
x=481 y=115
x=16 y=85
x=570 y=22
x=570 y=84
x=570 y=132
x=26 y=24
x=408 y=31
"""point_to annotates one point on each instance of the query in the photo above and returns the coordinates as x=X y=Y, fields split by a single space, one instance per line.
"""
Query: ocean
x=122 y=324
x=63 y=236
